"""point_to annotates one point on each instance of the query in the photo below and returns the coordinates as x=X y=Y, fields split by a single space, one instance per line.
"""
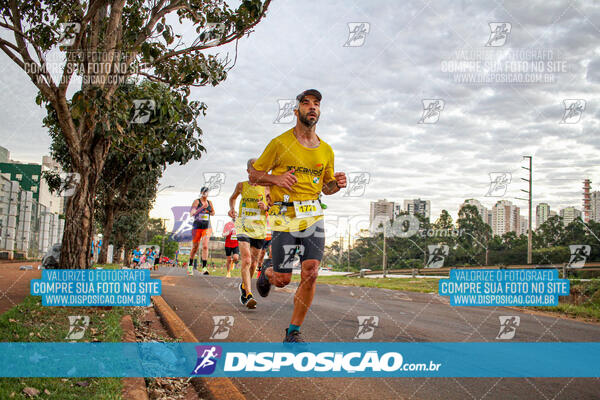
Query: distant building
x=553 y=214
x=418 y=206
x=523 y=225
x=569 y=214
x=483 y=212
x=381 y=211
x=29 y=176
x=489 y=218
x=505 y=218
x=542 y=213
x=595 y=206
x=4 y=155
x=397 y=210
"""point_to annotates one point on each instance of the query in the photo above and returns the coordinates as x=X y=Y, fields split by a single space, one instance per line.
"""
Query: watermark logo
x=357 y=183
x=68 y=33
x=207 y=359
x=285 y=115
x=68 y=183
x=366 y=326
x=379 y=224
x=78 y=324
x=432 y=108
x=183 y=224
x=574 y=109
x=508 y=327
x=579 y=255
x=437 y=255
x=214 y=181
x=405 y=226
x=292 y=255
x=499 y=33
x=499 y=182
x=211 y=35
x=142 y=111
x=357 y=34
x=223 y=324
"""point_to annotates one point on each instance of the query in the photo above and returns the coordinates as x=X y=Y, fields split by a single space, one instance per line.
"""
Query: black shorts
x=266 y=244
x=256 y=243
x=309 y=244
x=229 y=251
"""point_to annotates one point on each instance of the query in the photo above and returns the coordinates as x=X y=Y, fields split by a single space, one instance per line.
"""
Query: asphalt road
x=403 y=317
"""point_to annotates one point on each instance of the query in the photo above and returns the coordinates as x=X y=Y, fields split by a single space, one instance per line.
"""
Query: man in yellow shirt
x=301 y=168
x=250 y=226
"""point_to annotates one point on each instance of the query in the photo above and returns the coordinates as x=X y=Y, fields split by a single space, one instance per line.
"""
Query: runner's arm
x=194 y=210
x=212 y=208
x=233 y=197
x=235 y=194
x=335 y=185
x=263 y=178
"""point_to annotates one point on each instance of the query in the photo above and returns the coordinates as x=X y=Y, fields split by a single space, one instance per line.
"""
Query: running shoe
x=263 y=285
x=250 y=302
x=293 y=337
x=242 y=294
x=204 y=271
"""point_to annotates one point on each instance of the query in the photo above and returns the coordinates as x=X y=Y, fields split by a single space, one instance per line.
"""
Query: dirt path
x=14 y=283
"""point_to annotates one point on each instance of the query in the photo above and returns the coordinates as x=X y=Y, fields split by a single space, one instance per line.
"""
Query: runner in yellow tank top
x=251 y=221
x=250 y=226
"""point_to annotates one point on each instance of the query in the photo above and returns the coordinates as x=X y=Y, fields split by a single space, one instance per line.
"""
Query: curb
x=134 y=388
x=218 y=388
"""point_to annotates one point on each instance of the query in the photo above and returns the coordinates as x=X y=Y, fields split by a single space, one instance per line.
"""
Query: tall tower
x=586 y=200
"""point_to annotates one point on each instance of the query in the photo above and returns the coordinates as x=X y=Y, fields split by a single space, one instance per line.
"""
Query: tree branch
x=48 y=88
x=226 y=40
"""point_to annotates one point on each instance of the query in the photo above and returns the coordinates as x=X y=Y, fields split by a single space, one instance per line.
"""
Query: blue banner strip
x=369 y=359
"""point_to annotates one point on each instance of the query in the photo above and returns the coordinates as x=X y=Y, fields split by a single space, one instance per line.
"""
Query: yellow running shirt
x=251 y=220
x=313 y=168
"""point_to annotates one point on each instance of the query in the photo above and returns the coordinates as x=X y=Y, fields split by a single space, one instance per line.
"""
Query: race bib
x=308 y=208
x=204 y=217
x=250 y=213
x=233 y=237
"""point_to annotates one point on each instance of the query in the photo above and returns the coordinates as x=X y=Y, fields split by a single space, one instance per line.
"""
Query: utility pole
x=341 y=250
x=162 y=244
x=384 y=253
x=529 y=231
x=348 y=253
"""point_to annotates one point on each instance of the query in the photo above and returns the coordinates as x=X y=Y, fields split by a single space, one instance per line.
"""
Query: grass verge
x=583 y=302
x=29 y=321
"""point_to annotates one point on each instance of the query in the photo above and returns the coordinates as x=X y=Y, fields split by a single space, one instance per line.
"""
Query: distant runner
x=232 y=251
x=250 y=226
x=136 y=256
x=201 y=211
x=302 y=166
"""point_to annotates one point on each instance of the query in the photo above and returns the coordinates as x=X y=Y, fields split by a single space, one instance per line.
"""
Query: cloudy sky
x=373 y=98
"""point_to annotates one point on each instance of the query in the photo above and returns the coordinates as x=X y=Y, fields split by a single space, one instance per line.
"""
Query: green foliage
x=550 y=244
x=168 y=246
x=113 y=43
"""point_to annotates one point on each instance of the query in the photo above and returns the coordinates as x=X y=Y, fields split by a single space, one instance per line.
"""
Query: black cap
x=313 y=92
x=204 y=189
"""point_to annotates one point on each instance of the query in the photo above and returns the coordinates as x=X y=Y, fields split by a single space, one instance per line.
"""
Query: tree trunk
x=127 y=258
x=109 y=219
x=117 y=255
x=75 y=251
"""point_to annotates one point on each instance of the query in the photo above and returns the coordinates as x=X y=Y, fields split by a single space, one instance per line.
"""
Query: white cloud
x=372 y=103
